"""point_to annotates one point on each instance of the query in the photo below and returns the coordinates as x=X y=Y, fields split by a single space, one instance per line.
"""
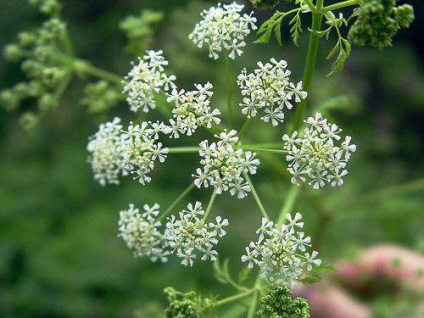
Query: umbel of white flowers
x=187 y=236
x=317 y=155
x=223 y=29
x=146 y=79
x=191 y=109
x=115 y=152
x=223 y=165
x=270 y=90
x=280 y=251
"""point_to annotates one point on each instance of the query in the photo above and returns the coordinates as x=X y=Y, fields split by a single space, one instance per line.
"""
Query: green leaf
x=317 y=273
x=296 y=28
x=244 y=274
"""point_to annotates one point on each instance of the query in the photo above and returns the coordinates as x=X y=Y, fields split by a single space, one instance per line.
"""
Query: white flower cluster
x=146 y=79
x=280 y=251
x=269 y=88
x=190 y=233
x=183 y=236
x=192 y=110
x=223 y=28
x=105 y=158
x=141 y=232
x=140 y=149
x=224 y=165
x=317 y=156
x=115 y=151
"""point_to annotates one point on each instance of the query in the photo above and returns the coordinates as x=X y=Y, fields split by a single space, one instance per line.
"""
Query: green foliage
x=278 y=303
x=317 y=273
x=266 y=4
x=378 y=21
x=43 y=60
x=273 y=25
x=49 y=7
x=187 y=305
x=100 y=96
x=139 y=30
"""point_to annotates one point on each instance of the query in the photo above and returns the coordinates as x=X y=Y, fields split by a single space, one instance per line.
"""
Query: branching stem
x=176 y=201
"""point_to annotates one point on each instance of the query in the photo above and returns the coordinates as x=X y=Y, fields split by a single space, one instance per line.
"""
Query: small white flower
x=223 y=28
x=316 y=156
x=224 y=165
x=105 y=156
x=191 y=234
x=192 y=109
x=141 y=232
x=146 y=79
x=279 y=251
x=269 y=89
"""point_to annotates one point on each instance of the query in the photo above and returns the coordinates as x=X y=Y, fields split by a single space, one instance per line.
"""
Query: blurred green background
x=59 y=251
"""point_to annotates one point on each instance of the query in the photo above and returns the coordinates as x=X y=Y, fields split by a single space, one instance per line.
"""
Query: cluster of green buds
x=140 y=29
x=183 y=305
x=277 y=302
x=42 y=56
x=378 y=21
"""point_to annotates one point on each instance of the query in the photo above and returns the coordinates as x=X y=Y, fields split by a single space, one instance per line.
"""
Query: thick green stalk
x=311 y=61
x=340 y=5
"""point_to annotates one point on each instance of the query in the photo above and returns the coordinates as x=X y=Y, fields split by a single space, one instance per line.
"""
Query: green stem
x=310 y=5
x=84 y=67
x=209 y=208
x=228 y=88
x=245 y=126
x=289 y=202
x=176 y=201
x=340 y=5
x=255 y=196
x=235 y=297
x=252 y=308
x=183 y=149
x=264 y=145
x=265 y=150
x=311 y=61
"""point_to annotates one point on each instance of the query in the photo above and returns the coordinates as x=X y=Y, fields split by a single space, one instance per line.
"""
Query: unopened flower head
x=141 y=232
x=146 y=79
x=317 y=155
x=223 y=28
x=105 y=156
x=192 y=109
x=269 y=90
x=280 y=251
x=224 y=165
x=190 y=235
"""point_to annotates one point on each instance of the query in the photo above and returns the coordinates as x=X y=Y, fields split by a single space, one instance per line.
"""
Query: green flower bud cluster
x=187 y=305
x=277 y=303
x=49 y=7
x=378 y=21
x=100 y=96
x=139 y=30
x=44 y=64
x=266 y=4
